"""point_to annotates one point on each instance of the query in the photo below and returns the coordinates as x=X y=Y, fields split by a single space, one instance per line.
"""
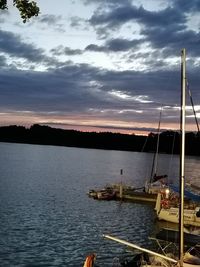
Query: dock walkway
x=130 y=195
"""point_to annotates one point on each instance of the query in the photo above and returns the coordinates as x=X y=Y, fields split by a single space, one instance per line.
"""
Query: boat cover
x=188 y=194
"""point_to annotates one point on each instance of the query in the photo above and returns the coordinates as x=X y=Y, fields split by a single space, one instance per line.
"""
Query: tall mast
x=182 y=157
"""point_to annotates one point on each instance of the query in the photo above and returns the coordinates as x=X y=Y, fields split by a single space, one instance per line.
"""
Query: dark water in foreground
x=46 y=218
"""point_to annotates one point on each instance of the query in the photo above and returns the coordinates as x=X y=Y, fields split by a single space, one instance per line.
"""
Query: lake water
x=46 y=217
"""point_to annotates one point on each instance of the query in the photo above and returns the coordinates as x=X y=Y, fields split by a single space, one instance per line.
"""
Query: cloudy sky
x=100 y=65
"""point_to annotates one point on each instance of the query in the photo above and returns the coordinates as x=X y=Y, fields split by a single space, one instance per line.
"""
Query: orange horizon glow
x=86 y=124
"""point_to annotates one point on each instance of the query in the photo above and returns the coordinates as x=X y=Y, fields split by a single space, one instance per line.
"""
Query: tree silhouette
x=26 y=8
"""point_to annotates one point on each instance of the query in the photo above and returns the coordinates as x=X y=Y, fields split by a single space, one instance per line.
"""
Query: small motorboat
x=106 y=194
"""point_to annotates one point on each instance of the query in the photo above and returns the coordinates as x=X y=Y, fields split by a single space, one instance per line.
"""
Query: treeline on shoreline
x=45 y=135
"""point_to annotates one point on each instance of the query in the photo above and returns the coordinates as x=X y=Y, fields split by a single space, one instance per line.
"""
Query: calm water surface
x=46 y=218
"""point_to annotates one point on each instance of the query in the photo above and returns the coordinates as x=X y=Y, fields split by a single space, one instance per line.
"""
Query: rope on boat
x=191 y=100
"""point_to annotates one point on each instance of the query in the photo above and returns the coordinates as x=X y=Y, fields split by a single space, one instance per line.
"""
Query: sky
x=100 y=65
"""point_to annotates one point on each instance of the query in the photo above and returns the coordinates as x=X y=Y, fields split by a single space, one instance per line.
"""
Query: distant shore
x=45 y=135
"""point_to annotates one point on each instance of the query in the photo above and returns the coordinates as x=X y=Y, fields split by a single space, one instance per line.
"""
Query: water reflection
x=48 y=220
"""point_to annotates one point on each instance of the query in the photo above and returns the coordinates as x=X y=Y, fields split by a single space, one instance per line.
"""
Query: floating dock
x=124 y=194
x=137 y=197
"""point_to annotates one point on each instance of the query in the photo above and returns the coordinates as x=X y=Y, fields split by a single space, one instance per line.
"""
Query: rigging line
x=142 y=150
x=155 y=158
x=172 y=152
x=157 y=147
x=191 y=100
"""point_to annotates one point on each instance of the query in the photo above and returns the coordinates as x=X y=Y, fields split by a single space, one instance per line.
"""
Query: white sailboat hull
x=172 y=215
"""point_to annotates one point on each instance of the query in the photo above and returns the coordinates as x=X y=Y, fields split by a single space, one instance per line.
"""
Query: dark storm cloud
x=115 y=45
x=13 y=45
x=96 y=48
x=171 y=42
x=123 y=14
x=66 y=88
x=61 y=50
x=3 y=61
x=32 y=90
x=72 y=88
x=78 y=23
x=185 y=5
x=165 y=29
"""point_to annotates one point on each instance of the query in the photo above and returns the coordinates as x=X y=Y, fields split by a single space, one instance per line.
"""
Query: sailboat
x=157 y=183
x=187 y=259
x=168 y=212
